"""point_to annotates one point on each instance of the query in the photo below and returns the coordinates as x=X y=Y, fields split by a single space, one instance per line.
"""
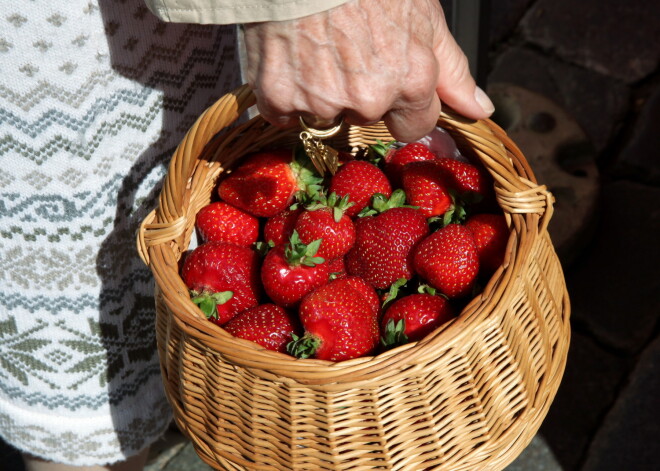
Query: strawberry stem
x=456 y=214
x=337 y=204
x=208 y=302
x=378 y=151
x=303 y=347
x=394 y=334
x=393 y=292
x=297 y=253
x=381 y=203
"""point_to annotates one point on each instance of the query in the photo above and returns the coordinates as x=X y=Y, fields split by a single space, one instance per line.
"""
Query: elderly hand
x=365 y=60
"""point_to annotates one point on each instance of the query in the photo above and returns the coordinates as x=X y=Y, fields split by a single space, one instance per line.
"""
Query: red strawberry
x=223 y=222
x=339 y=324
x=268 y=325
x=382 y=252
x=326 y=220
x=359 y=180
x=278 y=229
x=491 y=235
x=337 y=268
x=448 y=260
x=413 y=317
x=263 y=185
x=291 y=271
x=223 y=279
x=427 y=186
x=396 y=159
x=472 y=183
x=367 y=291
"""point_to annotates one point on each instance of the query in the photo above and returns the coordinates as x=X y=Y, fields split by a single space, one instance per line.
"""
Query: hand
x=365 y=60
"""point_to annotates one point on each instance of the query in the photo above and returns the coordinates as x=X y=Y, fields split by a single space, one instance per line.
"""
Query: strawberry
x=263 y=185
x=278 y=229
x=471 y=182
x=222 y=222
x=427 y=186
x=448 y=260
x=339 y=324
x=413 y=317
x=223 y=279
x=337 y=268
x=269 y=325
x=491 y=234
x=359 y=180
x=367 y=291
x=397 y=158
x=326 y=220
x=382 y=252
x=292 y=270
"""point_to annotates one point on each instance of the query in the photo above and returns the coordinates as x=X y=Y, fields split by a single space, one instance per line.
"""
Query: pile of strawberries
x=381 y=253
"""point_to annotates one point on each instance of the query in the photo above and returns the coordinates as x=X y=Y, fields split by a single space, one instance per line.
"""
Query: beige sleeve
x=236 y=11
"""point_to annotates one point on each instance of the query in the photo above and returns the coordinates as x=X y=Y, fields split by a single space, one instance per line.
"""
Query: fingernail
x=484 y=101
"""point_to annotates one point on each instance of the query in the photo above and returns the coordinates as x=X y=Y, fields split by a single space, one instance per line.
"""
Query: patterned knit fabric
x=94 y=97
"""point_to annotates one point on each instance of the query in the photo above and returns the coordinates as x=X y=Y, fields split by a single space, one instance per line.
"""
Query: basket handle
x=516 y=187
x=167 y=221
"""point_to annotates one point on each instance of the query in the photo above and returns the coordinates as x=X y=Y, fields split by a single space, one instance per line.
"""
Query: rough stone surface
x=598 y=103
x=629 y=436
x=612 y=37
x=587 y=391
x=187 y=460
x=562 y=158
x=504 y=17
x=536 y=457
x=615 y=285
x=163 y=451
x=639 y=159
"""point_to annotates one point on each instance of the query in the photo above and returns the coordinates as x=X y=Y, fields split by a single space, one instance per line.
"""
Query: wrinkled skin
x=365 y=60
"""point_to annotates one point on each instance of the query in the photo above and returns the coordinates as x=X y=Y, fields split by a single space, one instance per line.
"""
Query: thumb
x=455 y=86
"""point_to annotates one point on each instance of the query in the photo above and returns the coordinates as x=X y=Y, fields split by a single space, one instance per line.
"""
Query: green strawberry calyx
x=428 y=289
x=337 y=204
x=208 y=302
x=303 y=347
x=297 y=253
x=393 y=292
x=379 y=150
x=309 y=180
x=395 y=334
x=456 y=214
x=263 y=247
x=381 y=203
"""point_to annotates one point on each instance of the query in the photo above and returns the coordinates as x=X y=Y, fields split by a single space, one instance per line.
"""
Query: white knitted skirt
x=94 y=97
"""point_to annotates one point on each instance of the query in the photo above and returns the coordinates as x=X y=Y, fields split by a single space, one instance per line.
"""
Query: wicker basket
x=470 y=396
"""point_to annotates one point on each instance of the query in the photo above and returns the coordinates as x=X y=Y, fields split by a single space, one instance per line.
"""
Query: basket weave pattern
x=470 y=396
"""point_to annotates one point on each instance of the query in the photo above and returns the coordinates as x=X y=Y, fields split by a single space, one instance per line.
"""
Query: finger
x=409 y=125
x=456 y=86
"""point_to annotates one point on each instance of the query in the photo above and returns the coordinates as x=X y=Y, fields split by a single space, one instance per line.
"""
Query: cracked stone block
x=562 y=158
x=624 y=441
x=614 y=285
x=504 y=18
x=639 y=158
x=537 y=456
x=615 y=38
x=598 y=103
x=587 y=391
x=187 y=460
